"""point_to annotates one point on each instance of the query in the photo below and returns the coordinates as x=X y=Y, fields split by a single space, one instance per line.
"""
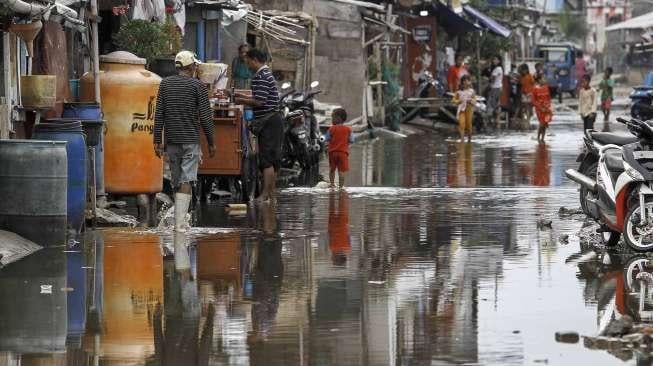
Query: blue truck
x=560 y=66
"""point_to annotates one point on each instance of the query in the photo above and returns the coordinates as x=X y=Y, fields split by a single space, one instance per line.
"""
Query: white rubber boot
x=182 y=202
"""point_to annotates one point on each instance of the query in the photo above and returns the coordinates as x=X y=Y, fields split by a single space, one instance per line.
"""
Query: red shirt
x=340 y=138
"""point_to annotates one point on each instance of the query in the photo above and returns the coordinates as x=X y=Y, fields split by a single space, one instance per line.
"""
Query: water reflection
x=133 y=290
x=430 y=161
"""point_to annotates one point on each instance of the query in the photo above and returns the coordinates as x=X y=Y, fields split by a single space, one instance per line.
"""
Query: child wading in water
x=542 y=104
x=606 y=86
x=465 y=98
x=339 y=137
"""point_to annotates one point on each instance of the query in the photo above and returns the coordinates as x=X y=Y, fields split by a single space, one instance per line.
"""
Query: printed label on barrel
x=144 y=122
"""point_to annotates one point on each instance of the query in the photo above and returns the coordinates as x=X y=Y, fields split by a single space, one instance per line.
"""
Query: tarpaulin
x=487 y=22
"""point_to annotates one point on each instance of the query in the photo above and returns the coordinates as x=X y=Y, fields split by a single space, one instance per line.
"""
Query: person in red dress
x=339 y=137
x=542 y=104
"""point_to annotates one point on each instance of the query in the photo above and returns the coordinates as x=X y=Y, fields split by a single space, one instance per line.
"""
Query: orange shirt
x=541 y=97
x=527 y=83
x=454 y=75
x=339 y=138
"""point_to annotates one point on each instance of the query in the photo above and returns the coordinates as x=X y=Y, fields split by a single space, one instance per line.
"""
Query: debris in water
x=46 y=289
x=110 y=218
x=220 y=193
x=619 y=327
x=14 y=247
x=164 y=199
x=322 y=185
x=237 y=207
x=516 y=331
x=376 y=282
x=567 y=212
x=567 y=337
x=544 y=223
x=564 y=239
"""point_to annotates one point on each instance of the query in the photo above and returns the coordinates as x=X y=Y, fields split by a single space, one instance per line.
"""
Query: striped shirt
x=182 y=106
x=264 y=89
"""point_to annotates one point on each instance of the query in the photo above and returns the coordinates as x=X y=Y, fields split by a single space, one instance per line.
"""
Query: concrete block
x=332 y=10
x=344 y=30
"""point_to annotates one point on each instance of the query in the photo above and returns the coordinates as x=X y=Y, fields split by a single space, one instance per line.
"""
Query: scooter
x=302 y=139
x=642 y=100
x=589 y=156
x=621 y=198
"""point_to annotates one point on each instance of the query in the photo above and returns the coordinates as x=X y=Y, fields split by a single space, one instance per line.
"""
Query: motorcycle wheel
x=638 y=238
x=590 y=171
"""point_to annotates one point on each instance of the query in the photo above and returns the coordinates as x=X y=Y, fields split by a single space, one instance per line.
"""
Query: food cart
x=234 y=167
x=235 y=164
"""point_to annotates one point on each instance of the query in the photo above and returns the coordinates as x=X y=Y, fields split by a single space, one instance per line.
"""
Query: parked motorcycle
x=302 y=138
x=620 y=199
x=589 y=156
x=642 y=100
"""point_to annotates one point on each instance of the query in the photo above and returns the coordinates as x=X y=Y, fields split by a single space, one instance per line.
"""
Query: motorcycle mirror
x=315 y=84
x=285 y=86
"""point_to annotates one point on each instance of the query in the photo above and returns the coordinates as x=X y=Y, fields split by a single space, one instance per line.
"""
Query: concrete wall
x=339 y=60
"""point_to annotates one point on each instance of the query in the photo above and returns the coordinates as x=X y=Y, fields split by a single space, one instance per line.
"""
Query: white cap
x=186 y=58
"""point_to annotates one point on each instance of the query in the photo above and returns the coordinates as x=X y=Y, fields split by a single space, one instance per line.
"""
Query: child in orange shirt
x=542 y=103
x=339 y=137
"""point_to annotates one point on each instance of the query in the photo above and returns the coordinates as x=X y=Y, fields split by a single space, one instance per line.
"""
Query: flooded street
x=437 y=253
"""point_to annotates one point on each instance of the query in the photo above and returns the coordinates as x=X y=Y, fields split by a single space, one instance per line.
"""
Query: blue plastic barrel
x=90 y=111
x=76 y=281
x=71 y=132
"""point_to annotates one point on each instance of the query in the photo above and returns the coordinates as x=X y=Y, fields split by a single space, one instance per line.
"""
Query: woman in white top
x=587 y=103
x=496 y=85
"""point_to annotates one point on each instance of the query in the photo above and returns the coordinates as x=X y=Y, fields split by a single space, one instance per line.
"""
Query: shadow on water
x=434 y=256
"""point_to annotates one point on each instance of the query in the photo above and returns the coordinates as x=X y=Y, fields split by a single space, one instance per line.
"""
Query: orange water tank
x=128 y=95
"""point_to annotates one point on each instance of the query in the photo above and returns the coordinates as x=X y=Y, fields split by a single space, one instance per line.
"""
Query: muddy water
x=433 y=256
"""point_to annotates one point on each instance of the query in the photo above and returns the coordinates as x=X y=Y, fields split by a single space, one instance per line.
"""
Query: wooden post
x=366 y=75
x=379 y=86
x=96 y=51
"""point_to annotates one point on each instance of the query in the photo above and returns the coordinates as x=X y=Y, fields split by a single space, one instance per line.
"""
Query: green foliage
x=390 y=73
x=572 y=27
x=148 y=40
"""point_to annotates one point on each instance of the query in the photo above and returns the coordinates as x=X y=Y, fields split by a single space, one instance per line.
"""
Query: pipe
x=96 y=52
x=23 y=7
x=201 y=43
x=581 y=179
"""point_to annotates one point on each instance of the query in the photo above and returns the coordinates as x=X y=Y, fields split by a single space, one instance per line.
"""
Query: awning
x=454 y=24
x=487 y=22
x=640 y=22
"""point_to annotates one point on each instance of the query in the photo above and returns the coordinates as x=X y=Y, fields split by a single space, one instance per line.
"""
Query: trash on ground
x=14 y=247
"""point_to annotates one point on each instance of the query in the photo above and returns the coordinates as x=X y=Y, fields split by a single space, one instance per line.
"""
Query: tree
x=572 y=27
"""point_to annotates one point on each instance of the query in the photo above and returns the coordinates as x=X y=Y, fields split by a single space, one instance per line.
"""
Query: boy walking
x=606 y=86
x=587 y=103
x=339 y=137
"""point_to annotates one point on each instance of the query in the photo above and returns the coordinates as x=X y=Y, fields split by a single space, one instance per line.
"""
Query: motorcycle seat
x=620 y=139
x=614 y=161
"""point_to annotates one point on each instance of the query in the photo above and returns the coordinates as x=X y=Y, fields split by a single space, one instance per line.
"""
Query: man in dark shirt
x=182 y=107
x=265 y=104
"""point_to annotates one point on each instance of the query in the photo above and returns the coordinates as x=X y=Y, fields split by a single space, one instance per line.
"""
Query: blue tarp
x=454 y=24
x=487 y=22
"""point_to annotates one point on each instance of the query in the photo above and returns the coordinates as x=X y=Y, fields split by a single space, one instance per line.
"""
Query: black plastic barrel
x=33 y=190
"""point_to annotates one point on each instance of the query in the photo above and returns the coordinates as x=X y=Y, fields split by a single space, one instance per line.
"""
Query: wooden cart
x=235 y=164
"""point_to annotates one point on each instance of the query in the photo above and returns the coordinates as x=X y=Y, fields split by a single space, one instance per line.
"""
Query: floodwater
x=433 y=255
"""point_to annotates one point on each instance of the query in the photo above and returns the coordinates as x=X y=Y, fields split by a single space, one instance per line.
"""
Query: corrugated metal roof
x=640 y=22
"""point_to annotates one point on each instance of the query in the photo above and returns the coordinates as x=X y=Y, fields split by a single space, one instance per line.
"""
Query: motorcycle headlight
x=563 y=72
x=632 y=172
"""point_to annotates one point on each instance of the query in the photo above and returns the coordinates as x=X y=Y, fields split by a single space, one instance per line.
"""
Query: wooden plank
x=363 y=4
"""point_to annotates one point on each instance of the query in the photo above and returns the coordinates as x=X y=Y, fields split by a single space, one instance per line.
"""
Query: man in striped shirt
x=265 y=104
x=182 y=107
